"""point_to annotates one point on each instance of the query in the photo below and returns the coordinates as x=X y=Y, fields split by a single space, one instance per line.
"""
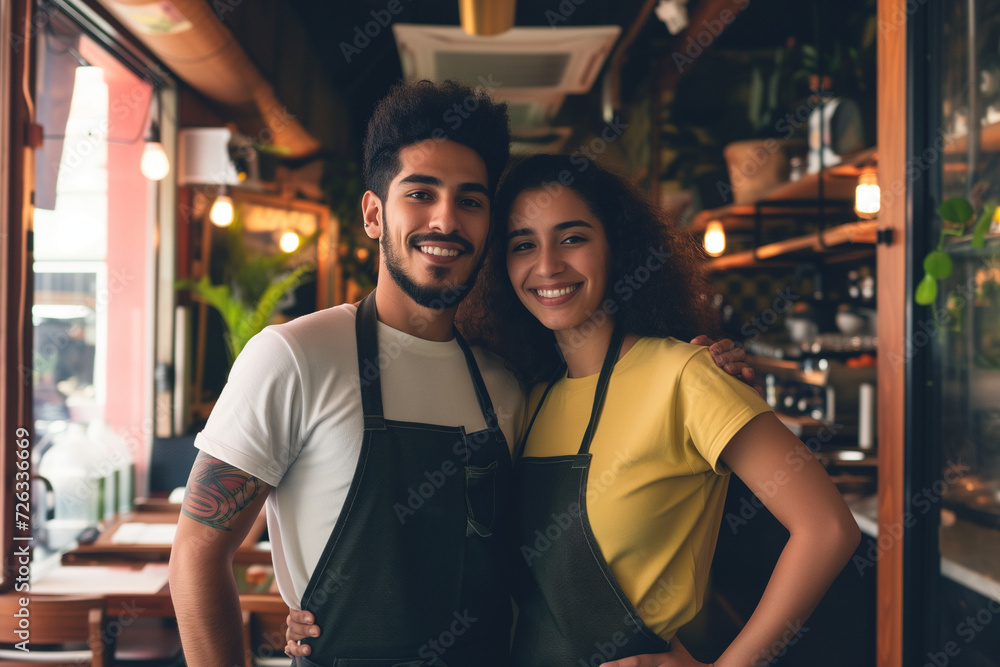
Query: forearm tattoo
x=216 y=491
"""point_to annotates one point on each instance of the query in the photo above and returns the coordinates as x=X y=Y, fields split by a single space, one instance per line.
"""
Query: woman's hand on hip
x=677 y=656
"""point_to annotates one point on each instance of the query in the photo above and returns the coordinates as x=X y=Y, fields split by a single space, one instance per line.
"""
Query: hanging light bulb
x=715 y=239
x=867 y=196
x=289 y=241
x=222 y=211
x=154 y=165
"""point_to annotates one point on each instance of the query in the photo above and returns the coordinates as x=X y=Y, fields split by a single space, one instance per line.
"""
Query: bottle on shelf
x=118 y=465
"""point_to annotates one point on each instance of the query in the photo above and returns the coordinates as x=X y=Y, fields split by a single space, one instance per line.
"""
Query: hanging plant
x=956 y=214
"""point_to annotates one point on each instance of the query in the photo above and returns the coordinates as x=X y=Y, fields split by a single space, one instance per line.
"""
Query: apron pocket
x=480 y=499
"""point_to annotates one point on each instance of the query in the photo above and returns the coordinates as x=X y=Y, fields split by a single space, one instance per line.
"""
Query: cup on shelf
x=800 y=328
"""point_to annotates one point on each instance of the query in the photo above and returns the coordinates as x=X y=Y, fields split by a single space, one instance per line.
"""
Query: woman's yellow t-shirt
x=656 y=486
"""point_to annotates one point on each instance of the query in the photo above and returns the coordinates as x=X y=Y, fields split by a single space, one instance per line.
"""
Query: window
x=95 y=224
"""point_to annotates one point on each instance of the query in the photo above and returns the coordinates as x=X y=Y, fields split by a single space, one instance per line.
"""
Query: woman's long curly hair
x=666 y=301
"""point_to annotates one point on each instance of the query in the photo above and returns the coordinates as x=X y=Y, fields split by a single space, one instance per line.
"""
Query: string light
x=289 y=241
x=867 y=196
x=154 y=165
x=222 y=213
x=715 y=239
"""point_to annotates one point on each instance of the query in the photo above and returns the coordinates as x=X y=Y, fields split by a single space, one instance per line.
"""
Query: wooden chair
x=264 y=630
x=63 y=631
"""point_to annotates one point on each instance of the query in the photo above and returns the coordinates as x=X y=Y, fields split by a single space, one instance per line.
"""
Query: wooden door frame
x=893 y=312
x=16 y=186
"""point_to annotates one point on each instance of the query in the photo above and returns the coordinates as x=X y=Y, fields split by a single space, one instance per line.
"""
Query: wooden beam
x=708 y=18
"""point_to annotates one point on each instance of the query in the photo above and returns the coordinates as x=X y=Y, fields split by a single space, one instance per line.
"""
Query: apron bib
x=571 y=610
x=415 y=570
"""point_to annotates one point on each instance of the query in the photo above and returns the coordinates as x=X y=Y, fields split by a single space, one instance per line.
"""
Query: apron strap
x=602 y=385
x=366 y=332
x=610 y=357
x=369 y=371
x=524 y=438
x=482 y=393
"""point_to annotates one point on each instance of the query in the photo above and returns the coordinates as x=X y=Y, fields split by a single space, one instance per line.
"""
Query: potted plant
x=758 y=164
x=253 y=286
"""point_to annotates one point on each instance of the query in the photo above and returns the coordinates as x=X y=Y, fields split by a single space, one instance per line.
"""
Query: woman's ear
x=371 y=208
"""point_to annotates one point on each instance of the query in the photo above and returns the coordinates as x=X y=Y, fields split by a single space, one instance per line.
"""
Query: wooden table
x=105 y=549
x=131 y=579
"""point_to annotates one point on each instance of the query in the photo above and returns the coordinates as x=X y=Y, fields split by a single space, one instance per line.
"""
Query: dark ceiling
x=333 y=28
x=309 y=50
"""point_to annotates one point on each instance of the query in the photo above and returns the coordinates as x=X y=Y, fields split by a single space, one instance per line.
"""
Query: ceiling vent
x=533 y=69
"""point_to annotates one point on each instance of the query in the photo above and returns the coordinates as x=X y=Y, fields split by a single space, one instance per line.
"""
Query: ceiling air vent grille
x=504 y=70
x=532 y=69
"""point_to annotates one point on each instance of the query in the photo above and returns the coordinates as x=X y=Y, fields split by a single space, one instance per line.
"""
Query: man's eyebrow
x=474 y=187
x=423 y=179
x=426 y=179
x=527 y=231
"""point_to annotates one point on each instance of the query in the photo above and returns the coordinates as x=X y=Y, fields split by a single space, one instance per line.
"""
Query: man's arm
x=220 y=506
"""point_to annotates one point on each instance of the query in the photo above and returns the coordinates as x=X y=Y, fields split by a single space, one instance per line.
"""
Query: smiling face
x=433 y=222
x=558 y=257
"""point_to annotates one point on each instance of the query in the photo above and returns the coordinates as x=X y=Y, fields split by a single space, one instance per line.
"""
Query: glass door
x=960 y=332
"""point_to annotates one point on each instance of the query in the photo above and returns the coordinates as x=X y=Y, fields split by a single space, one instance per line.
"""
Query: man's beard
x=438 y=298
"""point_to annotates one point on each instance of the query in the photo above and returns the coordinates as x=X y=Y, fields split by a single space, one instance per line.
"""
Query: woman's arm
x=787 y=478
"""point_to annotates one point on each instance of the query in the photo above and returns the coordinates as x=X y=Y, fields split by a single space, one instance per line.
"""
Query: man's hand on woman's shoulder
x=730 y=358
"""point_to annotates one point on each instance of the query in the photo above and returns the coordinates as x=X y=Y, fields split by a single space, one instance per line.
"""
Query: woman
x=621 y=482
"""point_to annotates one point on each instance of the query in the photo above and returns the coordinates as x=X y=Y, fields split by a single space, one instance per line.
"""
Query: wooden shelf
x=839 y=183
x=834 y=239
x=835 y=374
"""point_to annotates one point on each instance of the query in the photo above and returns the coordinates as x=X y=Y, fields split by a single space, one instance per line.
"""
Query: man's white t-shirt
x=290 y=414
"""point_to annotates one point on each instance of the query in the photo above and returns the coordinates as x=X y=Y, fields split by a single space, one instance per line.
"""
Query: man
x=371 y=431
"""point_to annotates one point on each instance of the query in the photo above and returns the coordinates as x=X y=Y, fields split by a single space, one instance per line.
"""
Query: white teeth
x=553 y=293
x=440 y=252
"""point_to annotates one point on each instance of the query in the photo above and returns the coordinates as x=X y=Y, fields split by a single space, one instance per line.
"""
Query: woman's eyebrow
x=527 y=231
x=523 y=231
x=573 y=223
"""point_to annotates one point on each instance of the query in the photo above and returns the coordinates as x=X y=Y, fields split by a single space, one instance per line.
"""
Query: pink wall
x=129 y=373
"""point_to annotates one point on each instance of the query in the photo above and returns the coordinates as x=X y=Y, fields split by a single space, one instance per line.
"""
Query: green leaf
x=926 y=291
x=252 y=320
x=937 y=264
x=983 y=225
x=956 y=209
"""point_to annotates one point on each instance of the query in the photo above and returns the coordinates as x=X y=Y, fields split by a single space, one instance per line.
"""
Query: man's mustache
x=417 y=239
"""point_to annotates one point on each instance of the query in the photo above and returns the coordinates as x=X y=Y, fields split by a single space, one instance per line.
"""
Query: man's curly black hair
x=656 y=282
x=413 y=112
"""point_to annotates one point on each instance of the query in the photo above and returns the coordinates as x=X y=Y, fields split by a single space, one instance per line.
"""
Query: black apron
x=571 y=610
x=415 y=571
